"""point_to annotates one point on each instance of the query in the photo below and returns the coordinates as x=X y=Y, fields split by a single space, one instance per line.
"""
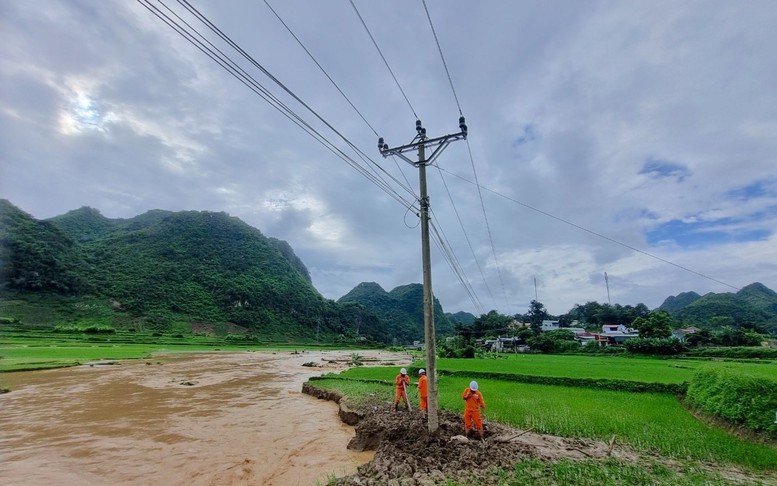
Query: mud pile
x=407 y=454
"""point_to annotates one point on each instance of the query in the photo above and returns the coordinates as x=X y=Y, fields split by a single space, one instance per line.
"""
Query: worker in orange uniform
x=473 y=402
x=423 y=389
x=402 y=381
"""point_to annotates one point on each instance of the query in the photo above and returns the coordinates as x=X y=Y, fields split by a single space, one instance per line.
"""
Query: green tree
x=702 y=337
x=553 y=341
x=491 y=324
x=658 y=324
x=736 y=336
x=536 y=315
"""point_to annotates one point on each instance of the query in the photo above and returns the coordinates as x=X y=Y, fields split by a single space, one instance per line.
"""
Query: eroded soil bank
x=406 y=454
x=215 y=419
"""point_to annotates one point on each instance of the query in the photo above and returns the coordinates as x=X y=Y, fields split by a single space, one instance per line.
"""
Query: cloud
x=595 y=129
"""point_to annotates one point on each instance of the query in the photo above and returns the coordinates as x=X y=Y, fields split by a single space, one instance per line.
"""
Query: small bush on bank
x=92 y=329
x=742 y=352
x=655 y=346
x=737 y=398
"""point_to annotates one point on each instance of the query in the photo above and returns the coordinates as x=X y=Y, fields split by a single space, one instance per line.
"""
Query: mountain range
x=163 y=270
x=753 y=306
x=166 y=270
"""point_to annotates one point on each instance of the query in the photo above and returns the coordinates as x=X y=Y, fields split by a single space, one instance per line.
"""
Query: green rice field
x=608 y=367
x=652 y=423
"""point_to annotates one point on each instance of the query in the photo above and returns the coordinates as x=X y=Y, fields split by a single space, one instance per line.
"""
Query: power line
x=232 y=68
x=193 y=10
x=382 y=57
x=445 y=64
x=466 y=236
x=472 y=160
x=409 y=186
x=488 y=226
x=319 y=66
x=447 y=251
x=612 y=240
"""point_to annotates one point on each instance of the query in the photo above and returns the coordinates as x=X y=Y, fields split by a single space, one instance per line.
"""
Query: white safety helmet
x=403 y=371
x=422 y=371
x=473 y=385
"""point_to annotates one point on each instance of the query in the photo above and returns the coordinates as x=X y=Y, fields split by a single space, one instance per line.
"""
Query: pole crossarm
x=421 y=143
x=440 y=143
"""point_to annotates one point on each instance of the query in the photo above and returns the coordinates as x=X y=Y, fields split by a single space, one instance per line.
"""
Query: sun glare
x=83 y=115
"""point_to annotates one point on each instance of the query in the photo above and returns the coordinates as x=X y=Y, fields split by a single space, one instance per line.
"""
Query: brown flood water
x=240 y=420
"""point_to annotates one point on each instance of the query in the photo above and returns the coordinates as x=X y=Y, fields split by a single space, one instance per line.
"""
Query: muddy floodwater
x=197 y=419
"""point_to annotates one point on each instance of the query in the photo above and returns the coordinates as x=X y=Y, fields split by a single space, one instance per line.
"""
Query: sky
x=636 y=139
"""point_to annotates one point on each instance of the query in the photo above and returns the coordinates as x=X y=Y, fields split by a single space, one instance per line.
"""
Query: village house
x=681 y=334
x=615 y=334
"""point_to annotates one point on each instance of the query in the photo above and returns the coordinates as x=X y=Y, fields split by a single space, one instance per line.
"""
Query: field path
x=197 y=419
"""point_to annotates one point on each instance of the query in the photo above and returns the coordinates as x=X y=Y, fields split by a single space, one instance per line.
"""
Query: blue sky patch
x=703 y=234
x=662 y=168
x=527 y=136
x=756 y=189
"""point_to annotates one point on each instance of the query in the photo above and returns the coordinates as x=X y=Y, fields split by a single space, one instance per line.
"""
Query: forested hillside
x=37 y=255
x=752 y=307
x=161 y=269
x=675 y=303
x=461 y=317
x=401 y=309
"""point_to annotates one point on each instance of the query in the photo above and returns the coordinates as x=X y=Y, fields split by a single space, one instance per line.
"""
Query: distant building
x=550 y=326
x=585 y=338
x=617 y=338
x=681 y=334
x=573 y=330
x=502 y=344
x=613 y=328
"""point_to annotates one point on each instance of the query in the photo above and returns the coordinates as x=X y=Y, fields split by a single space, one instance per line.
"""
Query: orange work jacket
x=423 y=386
x=474 y=400
x=400 y=379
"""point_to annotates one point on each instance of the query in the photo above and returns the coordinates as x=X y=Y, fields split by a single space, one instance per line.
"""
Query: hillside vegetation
x=168 y=271
x=401 y=309
x=752 y=307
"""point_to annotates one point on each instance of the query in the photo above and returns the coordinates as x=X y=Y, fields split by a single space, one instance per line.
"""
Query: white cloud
x=616 y=117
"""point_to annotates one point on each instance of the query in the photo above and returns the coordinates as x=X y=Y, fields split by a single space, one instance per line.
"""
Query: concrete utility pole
x=420 y=143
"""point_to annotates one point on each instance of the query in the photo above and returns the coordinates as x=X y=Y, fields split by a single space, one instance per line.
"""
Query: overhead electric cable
x=337 y=87
x=466 y=236
x=320 y=67
x=193 y=10
x=488 y=225
x=231 y=67
x=447 y=252
x=383 y=57
x=445 y=64
x=472 y=160
x=545 y=213
x=202 y=18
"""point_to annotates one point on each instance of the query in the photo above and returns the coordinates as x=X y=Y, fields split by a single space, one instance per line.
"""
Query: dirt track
x=217 y=419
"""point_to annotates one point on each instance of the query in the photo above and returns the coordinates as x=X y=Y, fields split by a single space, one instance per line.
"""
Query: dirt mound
x=406 y=453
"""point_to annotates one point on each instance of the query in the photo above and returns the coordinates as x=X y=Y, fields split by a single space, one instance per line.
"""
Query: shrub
x=742 y=352
x=737 y=398
x=554 y=342
x=654 y=346
x=91 y=329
